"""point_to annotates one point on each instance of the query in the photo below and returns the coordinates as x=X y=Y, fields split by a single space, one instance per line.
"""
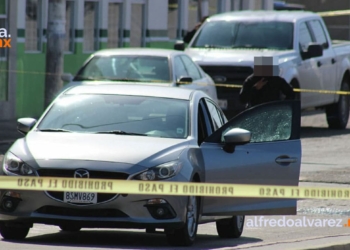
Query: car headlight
x=160 y=172
x=12 y=165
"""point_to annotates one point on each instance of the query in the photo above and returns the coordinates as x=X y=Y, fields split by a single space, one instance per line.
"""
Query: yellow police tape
x=203 y=84
x=170 y=188
x=338 y=92
x=334 y=13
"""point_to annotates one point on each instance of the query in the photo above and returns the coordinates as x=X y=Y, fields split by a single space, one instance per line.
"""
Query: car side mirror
x=67 y=77
x=313 y=50
x=24 y=125
x=179 y=45
x=183 y=80
x=234 y=137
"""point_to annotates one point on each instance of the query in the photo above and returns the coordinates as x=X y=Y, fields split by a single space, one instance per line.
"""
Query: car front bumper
x=125 y=211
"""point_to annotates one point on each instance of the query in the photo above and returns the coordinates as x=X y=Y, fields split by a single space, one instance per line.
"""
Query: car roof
x=263 y=15
x=134 y=90
x=139 y=51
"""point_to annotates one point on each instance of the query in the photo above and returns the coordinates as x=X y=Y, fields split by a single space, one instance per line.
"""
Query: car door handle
x=319 y=64
x=333 y=61
x=285 y=160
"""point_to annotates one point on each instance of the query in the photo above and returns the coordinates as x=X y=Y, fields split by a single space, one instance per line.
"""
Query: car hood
x=40 y=147
x=232 y=56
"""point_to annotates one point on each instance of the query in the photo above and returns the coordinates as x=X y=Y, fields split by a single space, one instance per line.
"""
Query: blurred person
x=265 y=84
x=189 y=35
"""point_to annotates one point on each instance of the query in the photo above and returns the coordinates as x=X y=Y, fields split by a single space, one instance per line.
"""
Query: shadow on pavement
x=128 y=240
x=314 y=132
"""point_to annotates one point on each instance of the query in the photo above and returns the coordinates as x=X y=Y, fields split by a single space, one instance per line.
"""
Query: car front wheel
x=186 y=235
x=13 y=233
x=230 y=228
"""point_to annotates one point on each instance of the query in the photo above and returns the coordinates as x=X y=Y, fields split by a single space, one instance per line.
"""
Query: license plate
x=78 y=197
x=222 y=103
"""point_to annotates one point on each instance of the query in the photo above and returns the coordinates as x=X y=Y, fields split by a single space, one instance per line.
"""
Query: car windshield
x=251 y=35
x=118 y=114
x=126 y=68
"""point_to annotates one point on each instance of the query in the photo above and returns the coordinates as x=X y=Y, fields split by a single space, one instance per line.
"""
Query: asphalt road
x=324 y=162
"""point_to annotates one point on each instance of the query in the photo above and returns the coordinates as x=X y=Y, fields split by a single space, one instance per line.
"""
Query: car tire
x=70 y=228
x=185 y=236
x=230 y=228
x=13 y=233
x=338 y=113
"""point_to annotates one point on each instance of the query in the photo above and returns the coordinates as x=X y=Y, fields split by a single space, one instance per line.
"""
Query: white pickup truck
x=226 y=44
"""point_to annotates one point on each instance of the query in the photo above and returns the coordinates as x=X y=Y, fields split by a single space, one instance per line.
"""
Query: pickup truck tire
x=338 y=113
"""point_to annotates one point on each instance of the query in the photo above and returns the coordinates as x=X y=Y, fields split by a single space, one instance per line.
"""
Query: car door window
x=180 y=69
x=304 y=36
x=191 y=68
x=215 y=115
x=275 y=121
x=201 y=127
x=318 y=32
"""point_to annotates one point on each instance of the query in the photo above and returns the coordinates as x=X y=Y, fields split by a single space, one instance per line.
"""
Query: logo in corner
x=5 y=38
x=81 y=173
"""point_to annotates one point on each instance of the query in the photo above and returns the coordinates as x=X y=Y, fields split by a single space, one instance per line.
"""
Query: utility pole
x=56 y=32
x=199 y=7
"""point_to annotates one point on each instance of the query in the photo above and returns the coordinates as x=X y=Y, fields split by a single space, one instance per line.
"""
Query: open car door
x=272 y=157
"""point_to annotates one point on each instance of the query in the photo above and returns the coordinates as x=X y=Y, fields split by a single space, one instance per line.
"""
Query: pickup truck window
x=255 y=35
x=319 y=33
x=304 y=36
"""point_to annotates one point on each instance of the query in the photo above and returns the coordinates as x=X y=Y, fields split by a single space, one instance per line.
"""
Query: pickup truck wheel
x=230 y=228
x=338 y=113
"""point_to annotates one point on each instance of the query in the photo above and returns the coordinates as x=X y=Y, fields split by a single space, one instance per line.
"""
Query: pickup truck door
x=326 y=63
x=273 y=157
x=310 y=76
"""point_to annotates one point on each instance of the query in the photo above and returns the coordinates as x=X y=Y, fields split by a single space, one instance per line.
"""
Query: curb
x=345 y=246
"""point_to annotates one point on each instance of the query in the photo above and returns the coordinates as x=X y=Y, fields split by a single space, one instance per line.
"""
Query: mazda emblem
x=81 y=173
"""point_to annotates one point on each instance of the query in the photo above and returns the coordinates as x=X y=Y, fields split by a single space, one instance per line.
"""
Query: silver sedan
x=148 y=66
x=136 y=132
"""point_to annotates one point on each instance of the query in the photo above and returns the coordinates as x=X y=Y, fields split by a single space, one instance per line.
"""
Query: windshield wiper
x=87 y=78
x=125 y=80
x=119 y=132
x=248 y=46
x=53 y=130
x=213 y=46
